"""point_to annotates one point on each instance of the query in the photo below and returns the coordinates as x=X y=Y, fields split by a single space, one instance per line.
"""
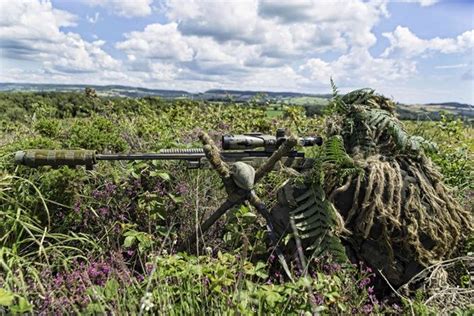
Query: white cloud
x=348 y=22
x=125 y=8
x=221 y=20
x=25 y=20
x=404 y=43
x=423 y=3
x=93 y=19
x=358 y=67
x=455 y=66
x=266 y=43
x=426 y=3
x=157 y=41
x=315 y=11
x=317 y=69
x=165 y=43
x=285 y=28
x=239 y=37
x=275 y=79
x=30 y=30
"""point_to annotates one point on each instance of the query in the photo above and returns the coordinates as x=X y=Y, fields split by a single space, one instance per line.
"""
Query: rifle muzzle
x=55 y=158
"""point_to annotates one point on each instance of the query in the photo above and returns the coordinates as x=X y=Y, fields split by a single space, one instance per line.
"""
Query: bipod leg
x=228 y=204
x=262 y=209
x=213 y=155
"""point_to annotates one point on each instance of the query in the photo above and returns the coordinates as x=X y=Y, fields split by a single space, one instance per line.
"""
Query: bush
x=97 y=133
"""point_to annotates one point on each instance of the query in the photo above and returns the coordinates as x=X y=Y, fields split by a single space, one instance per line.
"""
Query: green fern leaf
x=315 y=221
x=382 y=121
x=360 y=96
x=335 y=92
x=337 y=105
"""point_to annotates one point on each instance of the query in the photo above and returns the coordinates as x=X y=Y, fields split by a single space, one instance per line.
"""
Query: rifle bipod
x=239 y=182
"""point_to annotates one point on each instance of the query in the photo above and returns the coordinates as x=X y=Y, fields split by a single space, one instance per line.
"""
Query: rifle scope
x=269 y=142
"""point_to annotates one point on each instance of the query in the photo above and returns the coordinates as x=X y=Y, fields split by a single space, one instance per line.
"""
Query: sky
x=414 y=51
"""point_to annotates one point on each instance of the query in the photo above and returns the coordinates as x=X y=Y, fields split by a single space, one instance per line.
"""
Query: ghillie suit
x=400 y=216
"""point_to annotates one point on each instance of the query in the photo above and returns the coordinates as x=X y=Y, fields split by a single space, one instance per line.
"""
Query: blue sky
x=415 y=51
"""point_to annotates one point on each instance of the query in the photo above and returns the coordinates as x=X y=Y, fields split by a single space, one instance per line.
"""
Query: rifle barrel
x=44 y=157
x=152 y=156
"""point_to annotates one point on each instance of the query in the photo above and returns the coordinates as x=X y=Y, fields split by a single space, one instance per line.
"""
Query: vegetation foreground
x=104 y=240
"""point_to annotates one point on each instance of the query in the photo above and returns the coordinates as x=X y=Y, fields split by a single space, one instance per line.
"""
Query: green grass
x=273 y=111
x=104 y=241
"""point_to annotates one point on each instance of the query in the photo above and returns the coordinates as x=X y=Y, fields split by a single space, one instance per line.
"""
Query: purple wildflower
x=58 y=280
x=110 y=188
x=373 y=299
x=160 y=189
x=96 y=194
x=137 y=183
x=332 y=268
x=103 y=211
x=318 y=299
x=364 y=283
x=148 y=267
x=206 y=281
x=396 y=307
x=182 y=188
x=105 y=269
x=140 y=277
x=367 y=309
x=77 y=206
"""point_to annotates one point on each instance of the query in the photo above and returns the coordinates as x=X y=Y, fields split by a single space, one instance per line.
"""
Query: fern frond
x=335 y=92
x=337 y=105
x=335 y=155
x=382 y=121
x=315 y=220
x=418 y=141
x=360 y=96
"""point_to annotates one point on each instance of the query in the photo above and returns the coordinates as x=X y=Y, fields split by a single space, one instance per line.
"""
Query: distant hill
x=452 y=104
x=313 y=103
x=433 y=110
x=110 y=90
x=119 y=90
x=242 y=94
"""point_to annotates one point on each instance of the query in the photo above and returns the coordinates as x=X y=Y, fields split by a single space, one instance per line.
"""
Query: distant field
x=307 y=101
x=274 y=113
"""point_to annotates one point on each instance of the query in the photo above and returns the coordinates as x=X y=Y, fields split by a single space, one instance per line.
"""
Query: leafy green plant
x=97 y=133
x=47 y=127
x=15 y=303
x=142 y=239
